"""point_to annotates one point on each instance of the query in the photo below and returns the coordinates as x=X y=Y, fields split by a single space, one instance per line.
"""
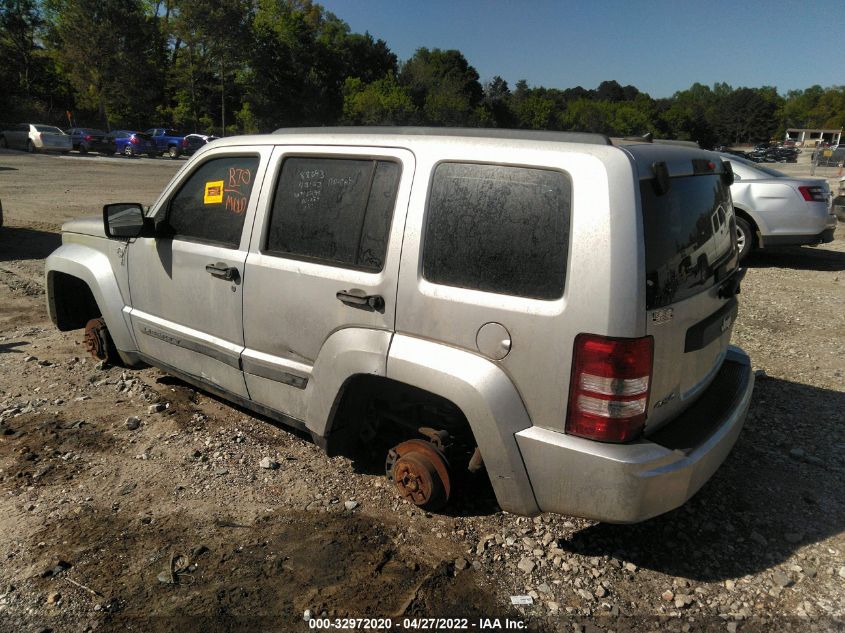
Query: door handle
x=222 y=271
x=358 y=299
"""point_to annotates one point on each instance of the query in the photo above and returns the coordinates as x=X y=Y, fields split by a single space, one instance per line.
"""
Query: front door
x=187 y=288
x=322 y=271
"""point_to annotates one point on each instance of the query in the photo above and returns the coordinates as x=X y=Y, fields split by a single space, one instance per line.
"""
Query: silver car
x=34 y=137
x=546 y=307
x=774 y=209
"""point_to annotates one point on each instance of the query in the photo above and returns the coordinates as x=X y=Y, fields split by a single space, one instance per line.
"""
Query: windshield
x=750 y=170
x=690 y=233
x=48 y=128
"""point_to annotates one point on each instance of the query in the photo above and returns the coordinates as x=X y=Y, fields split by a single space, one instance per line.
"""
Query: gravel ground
x=116 y=483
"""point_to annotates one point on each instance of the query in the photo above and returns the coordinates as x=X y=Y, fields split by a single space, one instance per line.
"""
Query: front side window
x=334 y=210
x=211 y=204
x=498 y=229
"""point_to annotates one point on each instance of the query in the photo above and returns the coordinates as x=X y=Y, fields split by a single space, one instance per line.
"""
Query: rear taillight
x=88 y=137
x=133 y=140
x=813 y=194
x=609 y=388
x=184 y=142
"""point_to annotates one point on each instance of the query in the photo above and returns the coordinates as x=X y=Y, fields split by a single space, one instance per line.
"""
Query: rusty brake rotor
x=421 y=473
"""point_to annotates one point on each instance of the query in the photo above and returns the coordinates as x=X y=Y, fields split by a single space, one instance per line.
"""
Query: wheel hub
x=420 y=472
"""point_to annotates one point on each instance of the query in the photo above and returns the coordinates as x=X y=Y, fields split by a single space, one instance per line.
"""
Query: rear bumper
x=627 y=483
x=825 y=236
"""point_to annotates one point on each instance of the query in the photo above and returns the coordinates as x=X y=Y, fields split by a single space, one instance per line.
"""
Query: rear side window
x=211 y=204
x=689 y=232
x=334 y=210
x=499 y=229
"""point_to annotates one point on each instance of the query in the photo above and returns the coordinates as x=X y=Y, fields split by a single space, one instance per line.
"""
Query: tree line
x=244 y=66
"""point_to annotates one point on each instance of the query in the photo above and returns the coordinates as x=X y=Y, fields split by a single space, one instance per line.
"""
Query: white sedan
x=774 y=209
x=34 y=137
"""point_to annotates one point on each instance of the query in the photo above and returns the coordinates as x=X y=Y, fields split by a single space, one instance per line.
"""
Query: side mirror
x=125 y=220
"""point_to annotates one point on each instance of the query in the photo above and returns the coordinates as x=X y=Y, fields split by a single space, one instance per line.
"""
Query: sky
x=659 y=46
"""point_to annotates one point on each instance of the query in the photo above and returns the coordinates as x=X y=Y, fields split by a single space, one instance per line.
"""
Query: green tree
x=106 y=50
x=443 y=86
x=31 y=85
x=381 y=102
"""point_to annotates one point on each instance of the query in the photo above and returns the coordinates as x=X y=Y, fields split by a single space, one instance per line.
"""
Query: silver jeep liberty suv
x=552 y=309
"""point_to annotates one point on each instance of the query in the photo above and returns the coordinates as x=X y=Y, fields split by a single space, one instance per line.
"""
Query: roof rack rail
x=472 y=132
x=648 y=138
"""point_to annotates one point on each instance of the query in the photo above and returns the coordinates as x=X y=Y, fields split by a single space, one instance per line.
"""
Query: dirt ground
x=169 y=522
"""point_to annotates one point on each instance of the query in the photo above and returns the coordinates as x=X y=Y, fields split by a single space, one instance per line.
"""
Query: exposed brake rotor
x=97 y=340
x=420 y=471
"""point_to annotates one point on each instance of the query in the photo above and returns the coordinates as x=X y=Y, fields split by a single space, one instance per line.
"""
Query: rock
x=758 y=538
x=730 y=585
x=601 y=592
x=667 y=595
x=350 y=505
x=553 y=607
x=782 y=580
x=731 y=627
x=29 y=359
x=158 y=407
x=842 y=572
x=307 y=615
x=526 y=565
x=630 y=567
x=760 y=373
x=133 y=422
x=544 y=588
x=268 y=463
x=461 y=564
x=54 y=597
x=221 y=471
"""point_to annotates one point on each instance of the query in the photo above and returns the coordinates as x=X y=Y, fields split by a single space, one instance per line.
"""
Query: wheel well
x=375 y=413
x=72 y=301
x=742 y=213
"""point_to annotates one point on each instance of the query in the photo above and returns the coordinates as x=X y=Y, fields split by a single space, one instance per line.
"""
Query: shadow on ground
x=18 y=243
x=817 y=258
x=781 y=488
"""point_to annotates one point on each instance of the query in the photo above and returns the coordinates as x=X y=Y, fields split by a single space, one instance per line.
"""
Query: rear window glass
x=689 y=233
x=48 y=128
x=498 y=229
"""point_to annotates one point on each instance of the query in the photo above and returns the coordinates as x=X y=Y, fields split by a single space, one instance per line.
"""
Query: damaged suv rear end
x=651 y=417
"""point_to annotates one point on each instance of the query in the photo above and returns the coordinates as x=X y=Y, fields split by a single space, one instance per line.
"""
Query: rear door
x=690 y=255
x=187 y=288
x=324 y=262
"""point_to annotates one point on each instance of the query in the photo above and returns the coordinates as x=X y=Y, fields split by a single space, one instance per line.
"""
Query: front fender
x=487 y=398
x=95 y=269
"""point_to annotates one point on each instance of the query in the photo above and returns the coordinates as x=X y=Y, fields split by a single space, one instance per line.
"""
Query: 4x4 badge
x=662 y=316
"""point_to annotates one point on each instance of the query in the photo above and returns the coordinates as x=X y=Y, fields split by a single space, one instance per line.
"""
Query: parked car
x=87 y=139
x=35 y=137
x=167 y=141
x=505 y=300
x=131 y=143
x=192 y=142
x=773 y=209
